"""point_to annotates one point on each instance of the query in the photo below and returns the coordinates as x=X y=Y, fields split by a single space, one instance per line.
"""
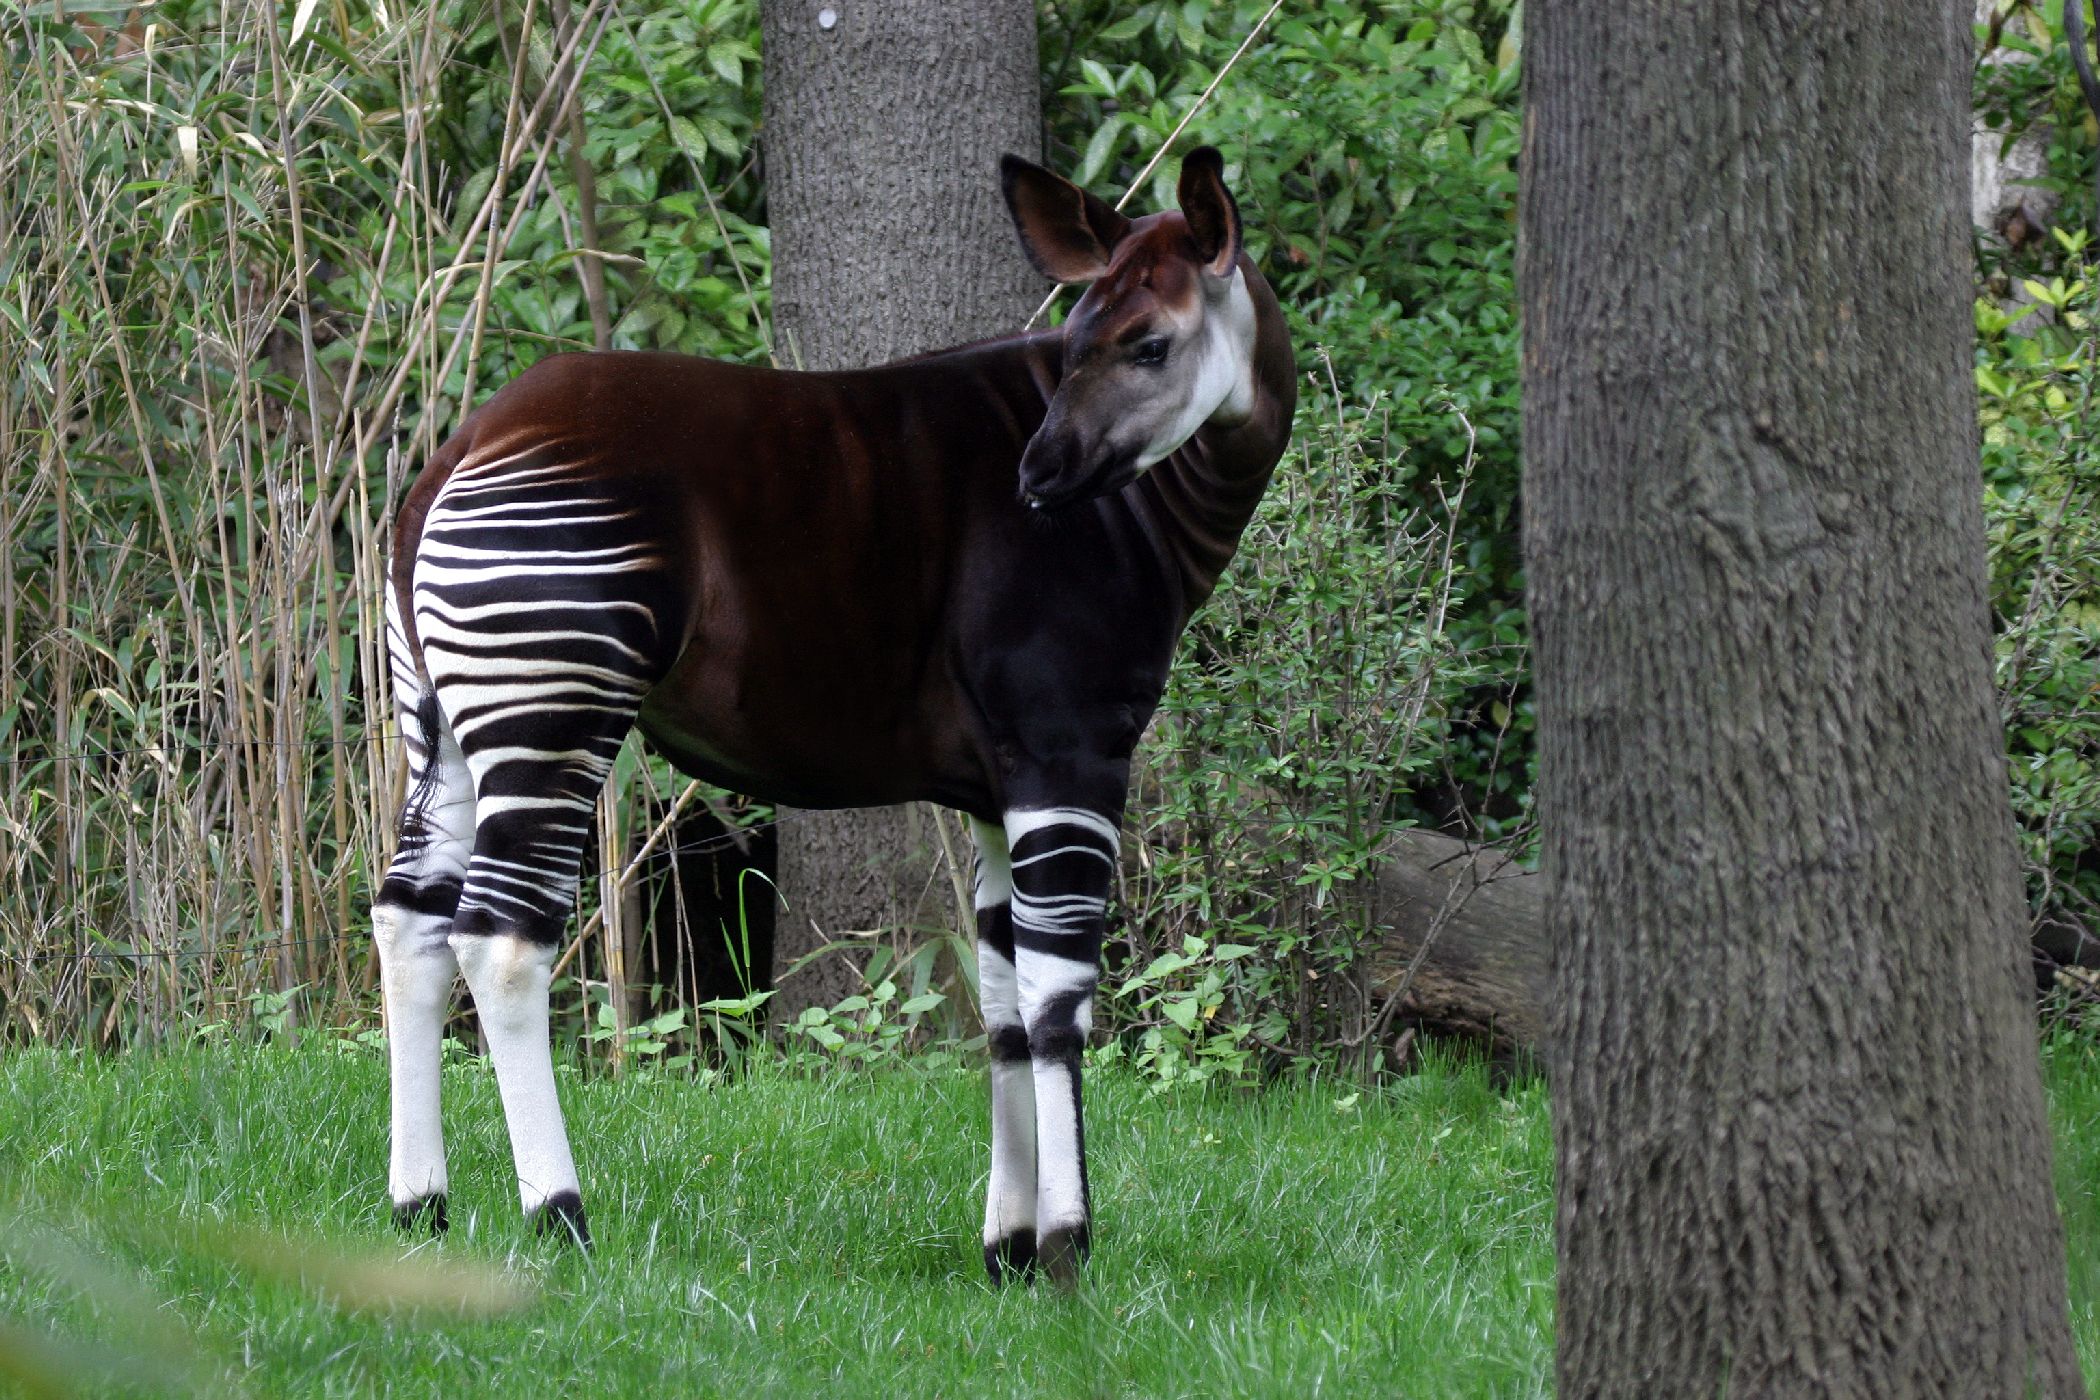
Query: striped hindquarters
x=538 y=597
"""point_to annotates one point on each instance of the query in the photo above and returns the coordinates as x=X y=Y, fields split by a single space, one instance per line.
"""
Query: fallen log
x=1465 y=945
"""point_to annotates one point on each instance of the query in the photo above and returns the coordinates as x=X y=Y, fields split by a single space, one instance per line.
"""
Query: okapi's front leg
x=1009 y=1198
x=1062 y=859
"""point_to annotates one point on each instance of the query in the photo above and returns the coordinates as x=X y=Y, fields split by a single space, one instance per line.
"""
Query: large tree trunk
x=884 y=124
x=1798 y=1118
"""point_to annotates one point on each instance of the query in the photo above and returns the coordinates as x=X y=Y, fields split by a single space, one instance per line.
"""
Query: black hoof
x=423 y=1212
x=1012 y=1259
x=562 y=1217
x=1062 y=1252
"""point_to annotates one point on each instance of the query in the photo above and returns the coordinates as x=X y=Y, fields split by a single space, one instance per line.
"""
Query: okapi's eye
x=1151 y=352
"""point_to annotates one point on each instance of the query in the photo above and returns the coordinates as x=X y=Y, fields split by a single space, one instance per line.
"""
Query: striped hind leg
x=1062 y=860
x=412 y=927
x=1009 y=1201
x=533 y=816
x=537 y=605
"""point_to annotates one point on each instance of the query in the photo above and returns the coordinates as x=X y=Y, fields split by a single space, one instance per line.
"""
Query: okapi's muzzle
x=1063 y=464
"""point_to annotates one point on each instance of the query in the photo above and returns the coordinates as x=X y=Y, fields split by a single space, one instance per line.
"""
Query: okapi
x=957 y=578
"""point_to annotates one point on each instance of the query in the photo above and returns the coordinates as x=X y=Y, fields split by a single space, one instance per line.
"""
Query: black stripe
x=1082 y=945
x=438 y=897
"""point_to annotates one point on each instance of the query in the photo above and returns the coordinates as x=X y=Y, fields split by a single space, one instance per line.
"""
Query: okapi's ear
x=1066 y=232
x=1213 y=217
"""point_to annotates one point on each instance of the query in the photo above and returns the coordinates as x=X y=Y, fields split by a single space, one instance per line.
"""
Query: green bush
x=2036 y=384
x=1310 y=695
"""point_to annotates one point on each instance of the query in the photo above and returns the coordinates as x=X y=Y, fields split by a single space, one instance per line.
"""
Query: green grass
x=787 y=1235
x=784 y=1235
x=2071 y=1067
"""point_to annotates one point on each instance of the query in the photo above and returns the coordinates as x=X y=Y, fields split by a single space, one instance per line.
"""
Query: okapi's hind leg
x=1062 y=860
x=412 y=927
x=533 y=809
x=538 y=764
x=1009 y=1200
x=537 y=604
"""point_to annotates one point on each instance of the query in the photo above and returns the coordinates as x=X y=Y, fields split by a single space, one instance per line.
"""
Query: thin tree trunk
x=1798 y=1119
x=884 y=124
x=2008 y=197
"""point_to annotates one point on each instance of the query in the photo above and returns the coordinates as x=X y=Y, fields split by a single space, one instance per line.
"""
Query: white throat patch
x=1223 y=392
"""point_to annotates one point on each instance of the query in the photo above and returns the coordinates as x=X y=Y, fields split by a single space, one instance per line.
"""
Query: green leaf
x=725 y=60
x=1098 y=151
x=689 y=137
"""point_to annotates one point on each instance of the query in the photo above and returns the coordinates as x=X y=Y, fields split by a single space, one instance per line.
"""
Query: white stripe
x=499 y=639
x=482 y=466
x=1020 y=823
x=492 y=806
x=590 y=761
x=461 y=692
x=1108 y=856
x=452 y=514
x=520 y=560
x=1069 y=914
x=1044 y=977
x=429 y=575
x=469 y=612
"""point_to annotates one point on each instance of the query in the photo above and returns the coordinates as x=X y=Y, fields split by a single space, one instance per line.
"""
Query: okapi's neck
x=1201 y=497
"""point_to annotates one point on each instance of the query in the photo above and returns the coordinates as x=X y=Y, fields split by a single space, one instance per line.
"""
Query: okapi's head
x=1162 y=342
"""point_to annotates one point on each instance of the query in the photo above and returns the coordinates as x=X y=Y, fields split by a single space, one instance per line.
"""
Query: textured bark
x=882 y=139
x=882 y=144
x=1798 y=1118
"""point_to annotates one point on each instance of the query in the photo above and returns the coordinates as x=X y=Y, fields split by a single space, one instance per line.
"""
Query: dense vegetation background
x=253 y=267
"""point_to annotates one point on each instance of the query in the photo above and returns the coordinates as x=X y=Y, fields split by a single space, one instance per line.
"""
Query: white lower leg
x=1009 y=1197
x=1056 y=995
x=509 y=976
x=1009 y=1201
x=417 y=973
x=1059 y=1149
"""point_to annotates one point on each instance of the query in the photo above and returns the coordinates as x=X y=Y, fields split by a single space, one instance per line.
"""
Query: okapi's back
x=765 y=466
